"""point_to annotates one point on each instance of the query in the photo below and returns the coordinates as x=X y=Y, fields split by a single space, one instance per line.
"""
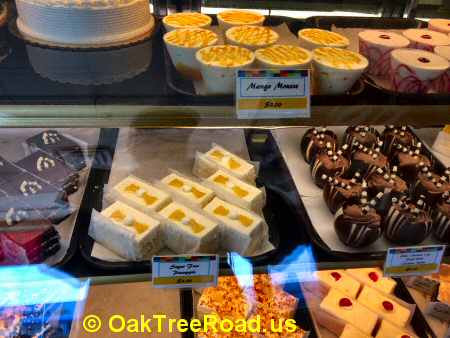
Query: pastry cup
x=294 y=57
x=251 y=37
x=186 y=20
x=412 y=70
x=183 y=55
x=231 y=18
x=312 y=38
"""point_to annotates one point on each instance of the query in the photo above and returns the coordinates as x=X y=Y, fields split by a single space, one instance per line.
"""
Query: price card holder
x=273 y=94
x=185 y=271
x=413 y=261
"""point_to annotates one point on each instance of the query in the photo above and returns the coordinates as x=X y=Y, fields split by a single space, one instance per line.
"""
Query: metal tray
x=273 y=175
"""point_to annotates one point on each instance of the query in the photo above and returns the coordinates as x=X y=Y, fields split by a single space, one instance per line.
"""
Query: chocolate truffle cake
x=357 y=224
x=365 y=135
x=339 y=190
x=328 y=164
x=60 y=146
x=430 y=185
x=407 y=222
x=367 y=161
x=51 y=170
x=441 y=219
x=410 y=163
x=387 y=183
x=315 y=141
x=393 y=135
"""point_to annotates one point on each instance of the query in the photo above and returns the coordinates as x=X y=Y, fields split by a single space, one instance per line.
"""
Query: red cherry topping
x=424 y=60
x=336 y=275
x=345 y=302
x=405 y=336
x=384 y=36
x=426 y=36
x=373 y=276
x=388 y=306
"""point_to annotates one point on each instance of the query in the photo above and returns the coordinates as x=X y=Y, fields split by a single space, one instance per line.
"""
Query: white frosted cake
x=442 y=142
x=84 y=22
x=97 y=67
x=236 y=191
x=126 y=231
x=241 y=230
x=186 y=191
x=140 y=195
x=426 y=39
x=187 y=231
x=439 y=25
x=219 y=158
x=442 y=84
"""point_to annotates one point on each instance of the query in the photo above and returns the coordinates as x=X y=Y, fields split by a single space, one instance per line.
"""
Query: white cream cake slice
x=140 y=195
x=186 y=191
x=187 y=231
x=236 y=191
x=219 y=158
x=241 y=231
x=128 y=232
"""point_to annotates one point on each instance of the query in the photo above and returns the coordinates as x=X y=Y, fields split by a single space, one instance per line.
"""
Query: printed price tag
x=415 y=260
x=185 y=271
x=272 y=94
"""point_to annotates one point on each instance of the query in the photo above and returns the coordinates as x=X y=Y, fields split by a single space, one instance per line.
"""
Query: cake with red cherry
x=389 y=330
x=374 y=278
x=339 y=280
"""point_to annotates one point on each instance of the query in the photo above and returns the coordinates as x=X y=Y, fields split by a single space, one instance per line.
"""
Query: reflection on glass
x=39 y=301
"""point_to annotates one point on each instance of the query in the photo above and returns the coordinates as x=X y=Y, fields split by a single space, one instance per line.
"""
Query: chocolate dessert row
x=34 y=192
x=379 y=183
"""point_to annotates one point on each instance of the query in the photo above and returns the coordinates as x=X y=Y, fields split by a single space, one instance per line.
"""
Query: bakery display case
x=123 y=149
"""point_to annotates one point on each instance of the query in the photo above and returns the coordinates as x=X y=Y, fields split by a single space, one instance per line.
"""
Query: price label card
x=416 y=260
x=272 y=94
x=185 y=271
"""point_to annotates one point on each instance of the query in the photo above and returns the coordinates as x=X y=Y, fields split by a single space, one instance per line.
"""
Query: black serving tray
x=298 y=207
x=273 y=175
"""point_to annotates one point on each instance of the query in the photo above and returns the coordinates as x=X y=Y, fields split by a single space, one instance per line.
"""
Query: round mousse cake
x=376 y=46
x=251 y=37
x=441 y=219
x=366 y=161
x=84 y=22
x=236 y=17
x=336 y=70
x=316 y=140
x=328 y=164
x=426 y=39
x=365 y=135
x=283 y=56
x=339 y=190
x=410 y=162
x=186 y=20
x=182 y=45
x=218 y=65
x=412 y=70
x=311 y=38
x=431 y=186
x=439 y=25
x=394 y=135
x=442 y=83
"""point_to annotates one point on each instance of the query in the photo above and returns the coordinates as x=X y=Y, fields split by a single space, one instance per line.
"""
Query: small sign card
x=415 y=260
x=272 y=94
x=185 y=271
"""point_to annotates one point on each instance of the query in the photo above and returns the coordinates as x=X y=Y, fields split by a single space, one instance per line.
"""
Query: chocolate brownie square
x=51 y=170
x=56 y=144
x=8 y=169
x=13 y=214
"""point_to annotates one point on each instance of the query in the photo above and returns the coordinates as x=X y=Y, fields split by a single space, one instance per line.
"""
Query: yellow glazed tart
x=283 y=56
x=182 y=45
x=186 y=20
x=235 y=17
x=251 y=37
x=311 y=38
x=218 y=65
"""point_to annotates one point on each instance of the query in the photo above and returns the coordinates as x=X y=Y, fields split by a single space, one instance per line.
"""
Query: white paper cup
x=412 y=70
x=336 y=70
x=186 y=20
x=234 y=17
x=182 y=47
x=442 y=83
x=426 y=39
x=219 y=72
x=251 y=37
x=376 y=46
x=283 y=57
x=312 y=38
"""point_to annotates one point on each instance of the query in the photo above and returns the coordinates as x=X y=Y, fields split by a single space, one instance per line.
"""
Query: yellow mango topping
x=447 y=129
x=222 y=211
x=197 y=193
x=233 y=164
x=177 y=215
x=118 y=216
x=221 y=179
x=149 y=199
x=195 y=226
x=240 y=192
x=245 y=221
x=140 y=227
x=132 y=188
x=218 y=154
x=176 y=183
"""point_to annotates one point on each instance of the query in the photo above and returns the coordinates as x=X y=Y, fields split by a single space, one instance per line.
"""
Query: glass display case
x=289 y=145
